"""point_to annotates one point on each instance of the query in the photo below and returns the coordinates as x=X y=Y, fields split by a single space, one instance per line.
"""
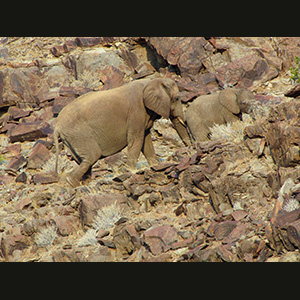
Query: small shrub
x=46 y=236
x=295 y=75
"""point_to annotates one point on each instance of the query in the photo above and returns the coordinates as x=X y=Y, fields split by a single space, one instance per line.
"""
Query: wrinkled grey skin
x=102 y=123
x=223 y=107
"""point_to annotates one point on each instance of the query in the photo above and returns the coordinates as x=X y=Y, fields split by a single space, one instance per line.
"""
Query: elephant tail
x=56 y=136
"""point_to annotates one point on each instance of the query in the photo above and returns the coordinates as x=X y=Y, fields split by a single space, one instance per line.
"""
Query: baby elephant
x=223 y=107
x=102 y=123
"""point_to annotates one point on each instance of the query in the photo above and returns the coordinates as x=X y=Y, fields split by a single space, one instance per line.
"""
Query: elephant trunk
x=179 y=124
x=181 y=129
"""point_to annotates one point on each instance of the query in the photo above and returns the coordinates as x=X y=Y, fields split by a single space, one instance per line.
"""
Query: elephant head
x=237 y=101
x=161 y=96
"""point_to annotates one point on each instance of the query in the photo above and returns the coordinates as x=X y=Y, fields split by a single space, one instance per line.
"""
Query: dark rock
x=16 y=163
x=223 y=229
x=29 y=132
x=17 y=113
x=69 y=45
x=293 y=92
x=59 y=103
x=22 y=177
x=57 y=50
x=92 y=41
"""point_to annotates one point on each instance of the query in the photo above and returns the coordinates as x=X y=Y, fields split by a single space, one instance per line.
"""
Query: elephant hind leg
x=199 y=131
x=88 y=154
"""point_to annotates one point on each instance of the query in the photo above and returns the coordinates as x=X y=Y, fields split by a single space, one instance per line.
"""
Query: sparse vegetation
x=295 y=75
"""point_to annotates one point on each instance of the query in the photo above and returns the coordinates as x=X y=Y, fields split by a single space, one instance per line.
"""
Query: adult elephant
x=102 y=123
x=223 y=107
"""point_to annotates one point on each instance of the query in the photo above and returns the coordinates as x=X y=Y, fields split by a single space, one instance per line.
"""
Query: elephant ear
x=228 y=98
x=157 y=98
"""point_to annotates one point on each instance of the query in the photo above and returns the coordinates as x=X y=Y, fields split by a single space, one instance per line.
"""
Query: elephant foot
x=72 y=182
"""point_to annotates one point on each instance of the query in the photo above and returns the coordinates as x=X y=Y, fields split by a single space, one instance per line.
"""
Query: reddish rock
x=29 y=132
x=9 y=243
x=160 y=238
x=92 y=41
x=223 y=229
x=59 y=103
x=239 y=215
x=17 y=113
x=66 y=224
x=38 y=156
x=238 y=232
x=111 y=77
x=5 y=179
x=184 y=164
x=12 y=150
x=69 y=91
x=16 y=163
x=161 y=166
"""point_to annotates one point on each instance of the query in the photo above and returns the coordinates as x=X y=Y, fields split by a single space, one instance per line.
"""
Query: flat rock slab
x=29 y=132
x=43 y=178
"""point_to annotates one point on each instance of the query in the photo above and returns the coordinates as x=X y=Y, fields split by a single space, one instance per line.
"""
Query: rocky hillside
x=234 y=198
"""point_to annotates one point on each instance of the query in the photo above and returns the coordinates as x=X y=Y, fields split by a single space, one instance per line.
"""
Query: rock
x=143 y=70
x=44 y=178
x=126 y=240
x=223 y=229
x=221 y=200
x=69 y=91
x=29 y=132
x=57 y=50
x=17 y=113
x=12 y=242
x=159 y=238
x=16 y=163
x=239 y=215
x=92 y=41
x=90 y=205
x=38 y=156
x=59 y=103
x=66 y=224
x=111 y=78
x=293 y=92
x=22 y=177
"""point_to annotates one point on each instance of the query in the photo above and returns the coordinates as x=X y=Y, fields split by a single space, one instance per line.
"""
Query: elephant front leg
x=148 y=150
x=135 y=145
